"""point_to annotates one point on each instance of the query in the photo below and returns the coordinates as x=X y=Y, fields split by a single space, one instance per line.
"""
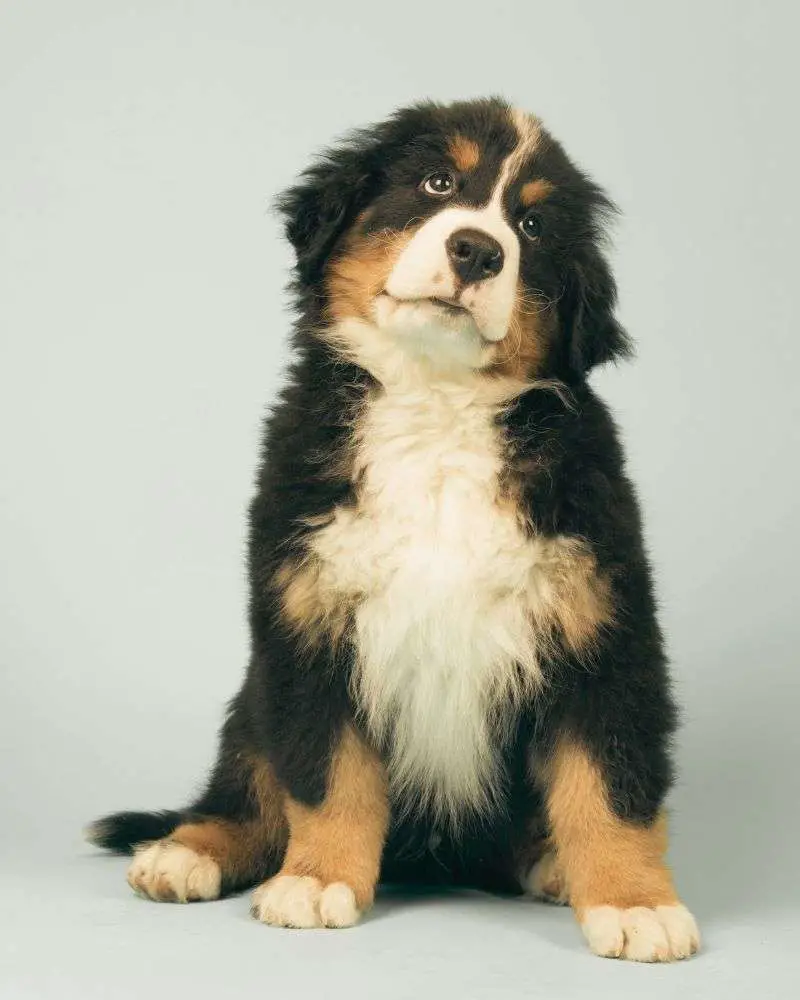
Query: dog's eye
x=531 y=225
x=440 y=185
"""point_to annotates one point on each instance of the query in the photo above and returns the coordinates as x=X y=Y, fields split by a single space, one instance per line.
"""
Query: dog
x=457 y=675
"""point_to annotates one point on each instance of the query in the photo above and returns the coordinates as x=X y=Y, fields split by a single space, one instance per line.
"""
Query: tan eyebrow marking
x=465 y=152
x=535 y=191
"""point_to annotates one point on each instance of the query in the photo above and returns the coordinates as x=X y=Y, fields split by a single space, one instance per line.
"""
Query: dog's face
x=462 y=235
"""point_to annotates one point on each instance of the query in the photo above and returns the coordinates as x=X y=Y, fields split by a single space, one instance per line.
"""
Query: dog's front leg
x=332 y=861
x=613 y=866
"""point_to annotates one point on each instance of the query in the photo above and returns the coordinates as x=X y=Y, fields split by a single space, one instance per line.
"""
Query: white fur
x=302 y=901
x=443 y=578
x=166 y=869
x=426 y=331
x=337 y=905
x=423 y=268
x=641 y=934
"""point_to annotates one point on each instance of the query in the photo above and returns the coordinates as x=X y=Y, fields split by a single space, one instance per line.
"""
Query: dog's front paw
x=303 y=901
x=641 y=934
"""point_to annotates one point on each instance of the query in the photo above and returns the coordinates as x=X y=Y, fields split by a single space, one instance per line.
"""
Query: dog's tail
x=122 y=831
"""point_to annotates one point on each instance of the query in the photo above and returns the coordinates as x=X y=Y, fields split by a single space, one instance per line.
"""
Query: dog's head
x=462 y=235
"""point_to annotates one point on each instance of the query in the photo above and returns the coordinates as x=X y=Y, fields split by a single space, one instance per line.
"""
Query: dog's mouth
x=452 y=307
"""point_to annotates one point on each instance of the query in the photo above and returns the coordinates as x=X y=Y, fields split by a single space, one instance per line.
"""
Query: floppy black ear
x=324 y=203
x=593 y=335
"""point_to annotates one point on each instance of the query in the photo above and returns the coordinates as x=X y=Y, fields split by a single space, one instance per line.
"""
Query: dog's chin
x=433 y=329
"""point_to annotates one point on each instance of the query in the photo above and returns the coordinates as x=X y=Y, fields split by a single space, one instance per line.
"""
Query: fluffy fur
x=456 y=669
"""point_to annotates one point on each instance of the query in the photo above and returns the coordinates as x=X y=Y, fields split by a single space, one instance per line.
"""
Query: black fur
x=564 y=451
x=122 y=831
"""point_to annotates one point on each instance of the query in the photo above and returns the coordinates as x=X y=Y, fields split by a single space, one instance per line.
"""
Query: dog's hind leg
x=232 y=837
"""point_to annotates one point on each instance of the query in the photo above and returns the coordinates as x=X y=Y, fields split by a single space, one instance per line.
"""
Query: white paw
x=641 y=934
x=301 y=901
x=545 y=880
x=167 y=870
x=337 y=905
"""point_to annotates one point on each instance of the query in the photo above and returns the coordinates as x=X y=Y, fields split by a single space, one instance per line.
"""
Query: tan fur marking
x=605 y=861
x=241 y=848
x=535 y=191
x=579 y=602
x=214 y=838
x=342 y=840
x=520 y=353
x=466 y=153
x=313 y=610
x=360 y=272
x=268 y=797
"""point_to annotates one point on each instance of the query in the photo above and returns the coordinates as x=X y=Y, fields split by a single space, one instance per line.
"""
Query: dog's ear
x=326 y=200
x=593 y=336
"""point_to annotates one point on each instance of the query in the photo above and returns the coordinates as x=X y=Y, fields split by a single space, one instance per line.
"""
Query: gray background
x=143 y=328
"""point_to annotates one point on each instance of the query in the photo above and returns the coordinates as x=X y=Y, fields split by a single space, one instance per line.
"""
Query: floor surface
x=74 y=929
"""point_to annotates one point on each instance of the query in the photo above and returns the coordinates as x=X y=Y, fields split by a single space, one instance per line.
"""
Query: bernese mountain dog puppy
x=457 y=674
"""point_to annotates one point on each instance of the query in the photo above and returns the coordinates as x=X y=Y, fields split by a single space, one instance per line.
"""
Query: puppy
x=457 y=675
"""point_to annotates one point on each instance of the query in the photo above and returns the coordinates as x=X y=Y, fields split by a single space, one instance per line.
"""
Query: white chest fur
x=443 y=580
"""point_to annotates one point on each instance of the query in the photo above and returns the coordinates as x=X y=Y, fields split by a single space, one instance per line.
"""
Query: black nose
x=474 y=255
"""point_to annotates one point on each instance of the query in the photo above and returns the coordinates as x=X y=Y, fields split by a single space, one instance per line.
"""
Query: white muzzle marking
x=423 y=269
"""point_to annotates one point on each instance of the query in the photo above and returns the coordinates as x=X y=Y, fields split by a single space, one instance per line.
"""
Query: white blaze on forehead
x=423 y=269
x=529 y=132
